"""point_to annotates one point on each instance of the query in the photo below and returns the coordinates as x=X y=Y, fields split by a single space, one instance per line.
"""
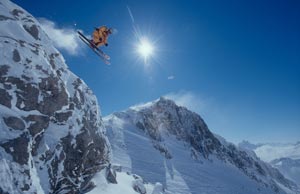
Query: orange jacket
x=100 y=36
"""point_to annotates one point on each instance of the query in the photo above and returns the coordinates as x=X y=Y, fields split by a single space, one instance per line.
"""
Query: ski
x=105 y=59
x=96 y=50
x=94 y=46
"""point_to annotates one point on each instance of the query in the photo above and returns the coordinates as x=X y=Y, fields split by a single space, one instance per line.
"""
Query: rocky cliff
x=51 y=132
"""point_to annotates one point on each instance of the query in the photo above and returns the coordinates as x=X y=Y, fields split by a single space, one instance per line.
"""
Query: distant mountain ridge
x=283 y=156
x=271 y=151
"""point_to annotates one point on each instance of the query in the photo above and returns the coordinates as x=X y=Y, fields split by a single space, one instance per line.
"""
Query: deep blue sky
x=240 y=59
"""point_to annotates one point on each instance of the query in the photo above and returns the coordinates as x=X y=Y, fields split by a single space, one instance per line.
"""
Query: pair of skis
x=96 y=50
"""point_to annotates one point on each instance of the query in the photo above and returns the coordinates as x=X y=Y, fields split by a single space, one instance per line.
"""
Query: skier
x=100 y=36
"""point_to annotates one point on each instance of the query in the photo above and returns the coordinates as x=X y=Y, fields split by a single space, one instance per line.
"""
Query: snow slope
x=166 y=143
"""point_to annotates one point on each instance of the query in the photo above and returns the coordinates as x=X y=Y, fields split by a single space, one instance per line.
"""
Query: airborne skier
x=99 y=38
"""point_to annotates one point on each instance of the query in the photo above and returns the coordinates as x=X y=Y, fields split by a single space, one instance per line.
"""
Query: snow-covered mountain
x=52 y=138
x=51 y=134
x=167 y=143
x=283 y=156
x=270 y=151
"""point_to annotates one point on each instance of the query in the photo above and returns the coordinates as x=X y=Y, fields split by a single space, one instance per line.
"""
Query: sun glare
x=145 y=48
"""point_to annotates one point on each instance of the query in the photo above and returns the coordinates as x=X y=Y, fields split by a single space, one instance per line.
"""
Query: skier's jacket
x=100 y=36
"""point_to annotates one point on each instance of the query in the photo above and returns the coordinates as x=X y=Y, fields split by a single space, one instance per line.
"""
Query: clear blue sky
x=239 y=59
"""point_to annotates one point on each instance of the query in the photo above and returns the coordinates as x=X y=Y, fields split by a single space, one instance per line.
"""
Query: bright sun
x=145 y=48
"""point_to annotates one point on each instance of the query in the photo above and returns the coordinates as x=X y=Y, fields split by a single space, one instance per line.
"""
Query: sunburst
x=145 y=48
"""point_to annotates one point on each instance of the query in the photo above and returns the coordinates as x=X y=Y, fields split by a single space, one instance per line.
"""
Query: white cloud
x=171 y=77
x=63 y=38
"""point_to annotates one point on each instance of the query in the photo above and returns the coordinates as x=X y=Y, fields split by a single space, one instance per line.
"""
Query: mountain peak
x=173 y=119
x=160 y=102
x=167 y=101
x=247 y=145
x=171 y=129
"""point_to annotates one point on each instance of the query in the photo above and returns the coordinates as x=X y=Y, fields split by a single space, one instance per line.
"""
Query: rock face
x=51 y=132
x=164 y=142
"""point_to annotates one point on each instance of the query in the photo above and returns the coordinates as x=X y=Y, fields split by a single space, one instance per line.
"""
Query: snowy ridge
x=290 y=168
x=166 y=143
x=283 y=156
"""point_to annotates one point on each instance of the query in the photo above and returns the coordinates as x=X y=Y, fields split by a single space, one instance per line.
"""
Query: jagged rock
x=5 y=98
x=14 y=123
x=3 y=18
x=62 y=116
x=55 y=95
x=163 y=150
x=32 y=30
x=16 y=56
x=3 y=70
x=111 y=175
x=18 y=149
x=37 y=123
x=138 y=186
x=17 y=12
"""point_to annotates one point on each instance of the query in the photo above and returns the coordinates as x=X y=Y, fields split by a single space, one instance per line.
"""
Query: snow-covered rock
x=51 y=132
x=127 y=183
x=167 y=143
